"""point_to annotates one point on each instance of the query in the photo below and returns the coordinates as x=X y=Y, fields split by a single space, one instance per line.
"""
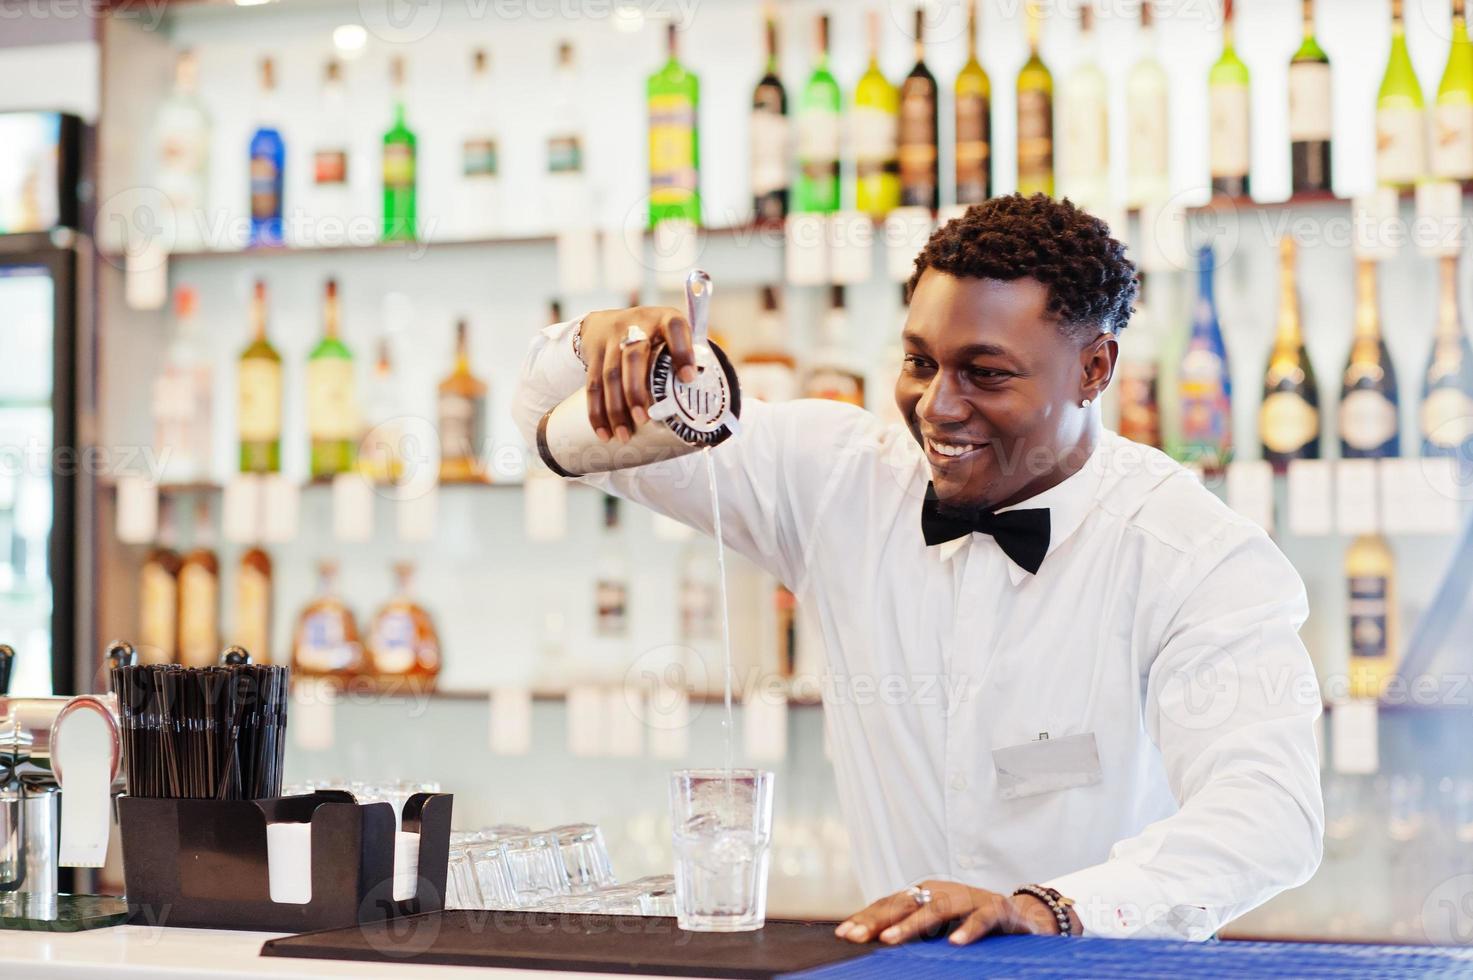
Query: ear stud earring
x=1084 y=404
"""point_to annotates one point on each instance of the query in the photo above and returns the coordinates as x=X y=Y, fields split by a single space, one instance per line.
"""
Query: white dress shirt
x=1160 y=633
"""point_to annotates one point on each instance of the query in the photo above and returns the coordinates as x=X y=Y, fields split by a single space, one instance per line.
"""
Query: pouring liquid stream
x=725 y=615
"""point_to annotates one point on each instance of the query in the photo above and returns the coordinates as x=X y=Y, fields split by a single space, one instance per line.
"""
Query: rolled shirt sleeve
x=1230 y=701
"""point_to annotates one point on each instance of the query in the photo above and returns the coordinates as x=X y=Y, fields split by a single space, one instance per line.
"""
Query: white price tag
x=511 y=720
x=1309 y=497
x=805 y=253
x=138 y=509
x=146 y=274
x=624 y=713
x=667 y=709
x=1355 y=746
x=677 y=251
x=314 y=702
x=587 y=729
x=1250 y=491
x=281 y=501
x=765 y=724
x=1439 y=227
x=1376 y=220
x=417 y=515
x=851 y=247
x=577 y=261
x=352 y=507
x=240 y=520
x=623 y=259
x=545 y=506
x=906 y=232
x=1356 y=510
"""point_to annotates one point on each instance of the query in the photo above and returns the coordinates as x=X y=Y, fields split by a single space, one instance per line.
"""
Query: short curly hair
x=1091 y=284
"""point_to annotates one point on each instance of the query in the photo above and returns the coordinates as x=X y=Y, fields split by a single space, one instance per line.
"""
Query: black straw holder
x=202 y=863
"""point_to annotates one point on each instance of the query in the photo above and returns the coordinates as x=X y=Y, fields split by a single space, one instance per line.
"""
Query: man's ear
x=1097 y=361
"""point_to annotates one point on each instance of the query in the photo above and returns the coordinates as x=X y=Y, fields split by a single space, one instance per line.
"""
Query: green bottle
x=399 y=169
x=1035 y=115
x=674 y=96
x=332 y=407
x=1452 y=119
x=973 y=101
x=258 y=390
x=1400 y=135
x=1228 y=93
x=875 y=128
x=818 y=134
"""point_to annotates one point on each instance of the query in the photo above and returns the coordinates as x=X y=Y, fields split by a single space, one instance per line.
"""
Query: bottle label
x=1287 y=422
x=1140 y=410
x=1452 y=141
x=1309 y=102
x=769 y=143
x=1399 y=139
x=253 y=612
x=611 y=605
x=835 y=385
x=973 y=149
x=324 y=646
x=183 y=152
x=332 y=411
x=1230 y=132
x=769 y=382
x=199 y=615
x=1205 y=408
x=818 y=143
x=917 y=139
x=330 y=167
x=1369 y=608
x=1146 y=120
x=393 y=643
x=1035 y=136
x=399 y=165
x=874 y=133
x=159 y=609
x=460 y=426
x=1088 y=153
x=265 y=188
x=1367 y=420
x=259 y=405
x=672 y=149
x=1447 y=418
x=564 y=154
x=478 y=157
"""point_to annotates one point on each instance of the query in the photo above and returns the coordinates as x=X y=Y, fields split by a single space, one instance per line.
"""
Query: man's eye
x=989 y=374
x=914 y=363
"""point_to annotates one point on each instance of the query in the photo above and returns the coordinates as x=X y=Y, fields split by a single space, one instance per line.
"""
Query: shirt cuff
x=1118 y=900
x=563 y=369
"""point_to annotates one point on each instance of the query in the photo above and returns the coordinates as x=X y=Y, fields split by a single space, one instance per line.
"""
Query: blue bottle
x=1203 y=383
x=268 y=165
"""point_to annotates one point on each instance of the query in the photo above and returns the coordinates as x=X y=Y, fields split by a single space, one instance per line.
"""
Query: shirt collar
x=1067 y=501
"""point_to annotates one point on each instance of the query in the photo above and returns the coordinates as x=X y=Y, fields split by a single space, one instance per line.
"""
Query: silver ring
x=922 y=896
x=633 y=335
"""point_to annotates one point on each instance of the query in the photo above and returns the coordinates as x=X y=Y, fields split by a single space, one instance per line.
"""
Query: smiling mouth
x=950 y=452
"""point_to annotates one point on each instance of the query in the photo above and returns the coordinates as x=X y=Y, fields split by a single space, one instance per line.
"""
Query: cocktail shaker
x=683 y=418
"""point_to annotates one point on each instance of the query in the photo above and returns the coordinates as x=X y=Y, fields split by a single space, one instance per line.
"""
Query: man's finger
x=865 y=924
x=926 y=920
x=636 y=380
x=980 y=923
x=618 y=412
x=682 y=346
x=597 y=416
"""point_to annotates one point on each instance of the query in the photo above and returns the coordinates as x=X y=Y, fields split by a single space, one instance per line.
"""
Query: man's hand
x=897 y=918
x=618 y=373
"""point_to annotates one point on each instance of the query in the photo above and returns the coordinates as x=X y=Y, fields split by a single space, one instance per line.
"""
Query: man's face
x=991 y=387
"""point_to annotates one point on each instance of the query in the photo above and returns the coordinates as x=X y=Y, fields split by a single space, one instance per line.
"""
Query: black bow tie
x=1023 y=535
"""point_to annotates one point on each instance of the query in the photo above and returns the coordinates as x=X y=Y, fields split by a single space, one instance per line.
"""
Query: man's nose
x=942 y=401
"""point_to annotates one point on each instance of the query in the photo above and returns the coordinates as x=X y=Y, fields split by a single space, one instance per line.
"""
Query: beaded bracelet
x=1057 y=904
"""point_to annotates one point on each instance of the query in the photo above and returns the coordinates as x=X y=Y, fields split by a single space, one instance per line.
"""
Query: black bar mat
x=592 y=943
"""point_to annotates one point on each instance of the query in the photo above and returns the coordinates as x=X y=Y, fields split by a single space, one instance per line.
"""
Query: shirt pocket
x=1046 y=765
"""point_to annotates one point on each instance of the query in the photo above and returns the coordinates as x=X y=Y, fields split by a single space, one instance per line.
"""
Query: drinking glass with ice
x=722 y=820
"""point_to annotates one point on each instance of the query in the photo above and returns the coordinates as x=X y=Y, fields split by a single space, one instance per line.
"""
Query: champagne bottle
x=400 y=221
x=1452 y=137
x=462 y=415
x=875 y=130
x=1370 y=573
x=1231 y=122
x=1204 y=385
x=920 y=180
x=1446 y=418
x=1147 y=114
x=1368 y=422
x=1289 y=417
x=268 y=166
x=258 y=382
x=769 y=137
x=674 y=95
x=1400 y=127
x=1035 y=115
x=1309 y=112
x=1139 y=374
x=1085 y=173
x=332 y=404
x=973 y=101
x=818 y=134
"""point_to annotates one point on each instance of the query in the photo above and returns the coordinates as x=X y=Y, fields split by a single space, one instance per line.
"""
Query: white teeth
x=950 y=450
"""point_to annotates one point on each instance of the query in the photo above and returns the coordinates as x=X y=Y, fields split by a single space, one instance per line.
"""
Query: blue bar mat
x=1145 y=959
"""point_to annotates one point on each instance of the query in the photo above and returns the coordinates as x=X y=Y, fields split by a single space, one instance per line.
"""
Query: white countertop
x=183 y=954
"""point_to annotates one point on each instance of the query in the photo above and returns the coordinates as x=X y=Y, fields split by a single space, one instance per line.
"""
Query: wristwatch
x=1056 y=903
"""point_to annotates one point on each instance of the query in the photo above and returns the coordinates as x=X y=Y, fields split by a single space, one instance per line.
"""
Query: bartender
x=1064 y=687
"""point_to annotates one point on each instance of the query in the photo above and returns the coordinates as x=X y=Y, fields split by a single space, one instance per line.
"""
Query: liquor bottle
x=611 y=589
x=1400 y=126
x=1085 y=174
x=1446 y=418
x=326 y=642
x=1147 y=115
x=402 y=641
x=1230 y=120
x=478 y=191
x=1309 y=112
x=831 y=374
x=181 y=141
x=1035 y=115
x=920 y=178
x=1289 y=416
x=332 y=405
x=768 y=370
x=567 y=198
x=400 y=149
x=817 y=187
x=199 y=596
x=768 y=136
x=1451 y=156
x=1204 y=386
x=182 y=396
x=973 y=98
x=381 y=453
x=1368 y=422
x=268 y=165
x=674 y=94
x=1139 y=375
x=253 y=605
x=462 y=414
x=1370 y=573
x=332 y=143
x=158 y=596
x=700 y=595
x=875 y=131
x=258 y=381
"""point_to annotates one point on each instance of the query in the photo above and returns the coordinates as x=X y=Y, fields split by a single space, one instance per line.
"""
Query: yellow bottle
x=1370 y=573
